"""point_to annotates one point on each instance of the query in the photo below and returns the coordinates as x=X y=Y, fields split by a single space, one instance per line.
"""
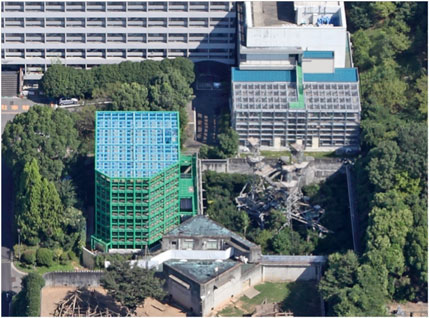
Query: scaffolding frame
x=136 y=205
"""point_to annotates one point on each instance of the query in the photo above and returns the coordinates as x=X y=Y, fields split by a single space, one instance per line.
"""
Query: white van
x=70 y=101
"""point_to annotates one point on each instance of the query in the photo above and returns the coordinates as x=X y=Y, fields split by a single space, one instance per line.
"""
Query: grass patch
x=43 y=269
x=231 y=311
x=275 y=154
x=272 y=292
x=301 y=298
x=330 y=154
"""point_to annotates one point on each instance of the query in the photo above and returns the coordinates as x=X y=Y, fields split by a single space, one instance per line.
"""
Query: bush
x=71 y=255
x=28 y=257
x=19 y=250
x=34 y=241
x=64 y=258
x=44 y=257
x=31 y=286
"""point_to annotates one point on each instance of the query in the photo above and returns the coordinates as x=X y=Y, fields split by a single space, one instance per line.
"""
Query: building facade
x=87 y=33
x=295 y=81
x=139 y=194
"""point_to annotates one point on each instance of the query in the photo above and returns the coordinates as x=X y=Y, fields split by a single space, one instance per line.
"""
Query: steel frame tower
x=137 y=179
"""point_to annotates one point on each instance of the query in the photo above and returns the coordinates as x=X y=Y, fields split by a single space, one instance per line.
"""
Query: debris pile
x=270 y=310
x=278 y=188
x=86 y=303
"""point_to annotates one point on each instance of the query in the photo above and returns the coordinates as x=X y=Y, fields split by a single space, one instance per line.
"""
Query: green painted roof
x=201 y=271
x=340 y=75
x=318 y=55
x=202 y=226
x=238 y=75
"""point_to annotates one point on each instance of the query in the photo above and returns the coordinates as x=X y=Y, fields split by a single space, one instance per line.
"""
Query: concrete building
x=295 y=81
x=206 y=265
x=143 y=186
x=87 y=33
x=202 y=233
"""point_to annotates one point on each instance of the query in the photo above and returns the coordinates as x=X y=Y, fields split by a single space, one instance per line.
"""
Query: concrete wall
x=289 y=273
x=320 y=170
x=220 y=290
x=88 y=258
x=78 y=279
x=317 y=171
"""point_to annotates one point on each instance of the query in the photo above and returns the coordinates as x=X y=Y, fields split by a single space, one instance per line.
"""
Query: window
x=188 y=244
x=211 y=245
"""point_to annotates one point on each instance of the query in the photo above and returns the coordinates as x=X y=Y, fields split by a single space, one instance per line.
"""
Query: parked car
x=68 y=101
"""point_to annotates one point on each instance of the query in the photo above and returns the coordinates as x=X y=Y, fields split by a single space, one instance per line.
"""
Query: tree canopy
x=131 y=285
x=42 y=133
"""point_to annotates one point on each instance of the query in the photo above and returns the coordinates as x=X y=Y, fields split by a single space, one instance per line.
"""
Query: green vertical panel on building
x=131 y=152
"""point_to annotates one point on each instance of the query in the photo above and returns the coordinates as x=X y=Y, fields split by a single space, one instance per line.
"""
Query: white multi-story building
x=87 y=33
x=295 y=81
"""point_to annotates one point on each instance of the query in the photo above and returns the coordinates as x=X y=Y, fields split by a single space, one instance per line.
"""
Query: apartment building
x=295 y=81
x=87 y=33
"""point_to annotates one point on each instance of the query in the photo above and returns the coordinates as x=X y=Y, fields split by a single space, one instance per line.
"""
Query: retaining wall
x=317 y=171
x=78 y=279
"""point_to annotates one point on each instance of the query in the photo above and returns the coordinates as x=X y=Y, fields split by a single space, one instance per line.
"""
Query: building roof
x=262 y=75
x=318 y=55
x=201 y=271
x=202 y=226
x=136 y=144
x=340 y=75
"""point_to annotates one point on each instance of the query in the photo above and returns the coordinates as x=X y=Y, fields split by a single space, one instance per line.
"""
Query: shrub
x=34 y=241
x=64 y=258
x=44 y=257
x=19 y=250
x=57 y=253
x=31 y=284
x=71 y=255
x=28 y=257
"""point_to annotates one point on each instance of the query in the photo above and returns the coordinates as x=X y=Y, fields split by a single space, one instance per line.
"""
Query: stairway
x=9 y=83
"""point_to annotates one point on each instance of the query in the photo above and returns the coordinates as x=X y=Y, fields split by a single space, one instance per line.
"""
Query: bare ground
x=51 y=296
x=410 y=309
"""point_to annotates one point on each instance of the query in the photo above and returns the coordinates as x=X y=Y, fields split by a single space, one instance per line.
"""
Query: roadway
x=10 y=278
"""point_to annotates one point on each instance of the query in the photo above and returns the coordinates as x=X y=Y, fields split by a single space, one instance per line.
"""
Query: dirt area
x=409 y=309
x=51 y=296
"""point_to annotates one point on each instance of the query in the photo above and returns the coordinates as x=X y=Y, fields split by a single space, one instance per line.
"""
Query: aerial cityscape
x=214 y=158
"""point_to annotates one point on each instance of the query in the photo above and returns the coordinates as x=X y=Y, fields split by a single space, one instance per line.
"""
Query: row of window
x=219 y=54
x=116 y=6
x=119 y=22
x=213 y=38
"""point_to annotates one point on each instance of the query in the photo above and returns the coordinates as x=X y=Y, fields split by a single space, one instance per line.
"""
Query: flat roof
x=238 y=75
x=340 y=75
x=201 y=271
x=201 y=225
x=318 y=55
x=272 y=13
x=136 y=144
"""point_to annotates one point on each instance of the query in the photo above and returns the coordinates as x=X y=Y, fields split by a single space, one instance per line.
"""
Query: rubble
x=279 y=188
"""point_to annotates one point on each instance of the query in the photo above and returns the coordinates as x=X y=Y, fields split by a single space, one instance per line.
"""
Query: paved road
x=11 y=106
x=6 y=237
x=11 y=282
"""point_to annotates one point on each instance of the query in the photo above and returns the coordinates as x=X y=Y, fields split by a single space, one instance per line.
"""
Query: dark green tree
x=290 y=242
x=42 y=133
x=129 y=97
x=131 y=285
x=228 y=144
x=28 y=214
